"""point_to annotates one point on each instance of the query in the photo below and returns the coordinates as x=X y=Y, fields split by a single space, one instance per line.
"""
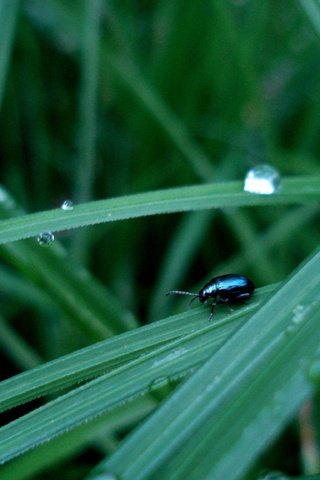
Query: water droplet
x=45 y=238
x=67 y=205
x=169 y=357
x=160 y=387
x=291 y=329
x=159 y=383
x=299 y=314
x=262 y=179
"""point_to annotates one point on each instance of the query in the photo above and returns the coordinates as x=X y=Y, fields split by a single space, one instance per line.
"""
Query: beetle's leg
x=230 y=308
x=213 y=304
x=227 y=301
x=192 y=299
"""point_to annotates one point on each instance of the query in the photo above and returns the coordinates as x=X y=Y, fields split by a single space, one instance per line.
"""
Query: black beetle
x=228 y=289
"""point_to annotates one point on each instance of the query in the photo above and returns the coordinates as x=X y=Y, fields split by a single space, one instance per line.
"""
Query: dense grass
x=148 y=115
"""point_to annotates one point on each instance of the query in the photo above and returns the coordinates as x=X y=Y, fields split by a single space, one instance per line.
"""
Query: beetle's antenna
x=180 y=292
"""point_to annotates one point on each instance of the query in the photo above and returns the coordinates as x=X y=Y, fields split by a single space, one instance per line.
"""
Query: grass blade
x=299 y=189
x=8 y=18
x=135 y=377
x=312 y=10
x=88 y=116
x=109 y=354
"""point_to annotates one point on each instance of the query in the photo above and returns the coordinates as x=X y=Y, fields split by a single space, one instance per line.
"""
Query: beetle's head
x=204 y=295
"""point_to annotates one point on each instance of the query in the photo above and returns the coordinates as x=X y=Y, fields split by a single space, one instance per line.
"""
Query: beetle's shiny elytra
x=230 y=288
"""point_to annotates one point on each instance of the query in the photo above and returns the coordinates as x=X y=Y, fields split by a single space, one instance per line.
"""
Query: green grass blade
x=8 y=17
x=242 y=396
x=85 y=174
x=312 y=10
x=135 y=377
x=295 y=190
x=16 y=348
x=73 y=442
x=103 y=356
x=99 y=395
x=18 y=289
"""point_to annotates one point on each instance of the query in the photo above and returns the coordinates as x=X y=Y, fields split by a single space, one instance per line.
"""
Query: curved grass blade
x=109 y=354
x=135 y=377
x=102 y=394
x=199 y=197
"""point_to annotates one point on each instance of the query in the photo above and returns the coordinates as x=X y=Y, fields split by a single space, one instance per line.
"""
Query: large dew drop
x=44 y=239
x=67 y=205
x=262 y=179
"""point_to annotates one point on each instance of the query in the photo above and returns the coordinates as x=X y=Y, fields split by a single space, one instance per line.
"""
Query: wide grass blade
x=60 y=449
x=239 y=399
x=109 y=354
x=136 y=376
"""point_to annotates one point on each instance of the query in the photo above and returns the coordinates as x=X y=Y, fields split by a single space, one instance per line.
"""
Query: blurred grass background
x=101 y=98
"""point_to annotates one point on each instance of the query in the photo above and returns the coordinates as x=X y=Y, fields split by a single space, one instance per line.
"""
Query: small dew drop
x=169 y=357
x=291 y=329
x=299 y=314
x=67 y=205
x=160 y=388
x=158 y=383
x=262 y=179
x=44 y=239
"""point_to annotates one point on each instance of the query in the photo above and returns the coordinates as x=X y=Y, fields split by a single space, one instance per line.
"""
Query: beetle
x=229 y=288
